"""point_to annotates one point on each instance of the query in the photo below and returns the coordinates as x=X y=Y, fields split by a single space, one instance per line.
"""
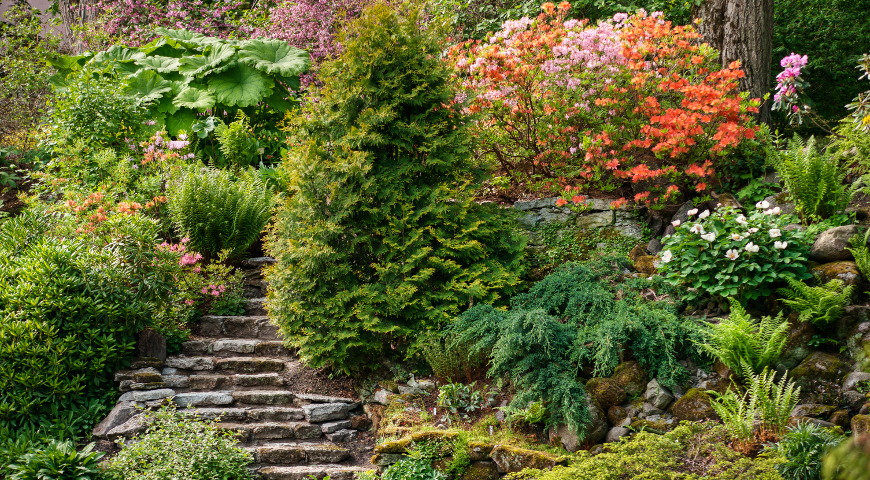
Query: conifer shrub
x=380 y=239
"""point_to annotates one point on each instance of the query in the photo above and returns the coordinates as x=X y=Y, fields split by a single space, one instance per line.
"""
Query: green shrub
x=849 y=461
x=803 y=447
x=176 y=445
x=737 y=340
x=217 y=211
x=237 y=142
x=69 y=310
x=58 y=461
x=412 y=469
x=820 y=305
x=573 y=319
x=852 y=146
x=452 y=362
x=728 y=254
x=381 y=239
x=814 y=180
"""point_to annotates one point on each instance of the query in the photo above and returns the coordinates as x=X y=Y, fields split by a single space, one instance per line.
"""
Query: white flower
x=780 y=245
x=709 y=237
x=736 y=237
x=718 y=205
x=773 y=211
x=675 y=223
x=753 y=230
x=762 y=204
x=704 y=214
x=697 y=228
x=667 y=256
x=692 y=212
x=732 y=254
x=775 y=233
x=751 y=247
x=741 y=220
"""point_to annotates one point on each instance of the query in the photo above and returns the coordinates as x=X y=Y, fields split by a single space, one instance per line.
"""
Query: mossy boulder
x=813 y=410
x=845 y=271
x=797 y=345
x=637 y=252
x=831 y=245
x=694 y=406
x=510 y=459
x=616 y=414
x=651 y=426
x=860 y=424
x=631 y=377
x=607 y=391
x=840 y=418
x=481 y=471
x=394 y=446
x=434 y=435
x=645 y=265
x=386 y=459
x=819 y=366
x=479 y=450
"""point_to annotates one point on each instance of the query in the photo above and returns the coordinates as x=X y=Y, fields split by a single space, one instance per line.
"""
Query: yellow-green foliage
x=689 y=452
x=820 y=305
x=861 y=252
x=738 y=339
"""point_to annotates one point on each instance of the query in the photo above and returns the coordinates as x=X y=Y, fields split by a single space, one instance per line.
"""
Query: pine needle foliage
x=739 y=340
x=861 y=252
x=218 y=211
x=820 y=305
x=380 y=240
x=572 y=319
x=814 y=180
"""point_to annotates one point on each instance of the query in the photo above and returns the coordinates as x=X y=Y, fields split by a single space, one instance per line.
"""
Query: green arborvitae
x=380 y=240
x=738 y=340
x=820 y=305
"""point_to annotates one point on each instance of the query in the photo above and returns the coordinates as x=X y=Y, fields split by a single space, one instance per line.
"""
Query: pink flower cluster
x=215 y=290
x=789 y=85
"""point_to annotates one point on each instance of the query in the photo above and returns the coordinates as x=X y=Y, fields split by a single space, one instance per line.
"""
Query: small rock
x=818 y=366
x=616 y=414
x=645 y=265
x=694 y=406
x=797 y=344
x=133 y=426
x=335 y=426
x=606 y=391
x=658 y=395
x=203 y=398
x=382 y=396
x=812 y=410
x=853 y=400
x=169 y=371
x=840 y=418
x=649 y=409
x=851 y=381
x=119 y=415
x=360 y=422
x=654 y=247
x=342 y=436
x=615 y=433
x=510 y=459
x=317 y=413
x=595 y=430
x=190 y=363
x=631 y=377
x=145 y=362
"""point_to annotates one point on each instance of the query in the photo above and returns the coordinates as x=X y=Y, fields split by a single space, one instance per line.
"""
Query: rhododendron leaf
x=148 y=85
x=159 y=64
x=205 y=64
x=183 y=119
x=240 y=86
x=194 y=98
x=275 y=57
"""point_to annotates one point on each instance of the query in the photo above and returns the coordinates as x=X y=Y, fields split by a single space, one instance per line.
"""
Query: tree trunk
x=742 y=30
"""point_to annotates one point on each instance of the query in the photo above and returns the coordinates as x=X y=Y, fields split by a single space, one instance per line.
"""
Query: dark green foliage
x=218 y=211
x=381 y=240
x=833 y=35
x=575 y=318
x=58 y=461
x=69 y=310
x=412 y=469
x=803 y=447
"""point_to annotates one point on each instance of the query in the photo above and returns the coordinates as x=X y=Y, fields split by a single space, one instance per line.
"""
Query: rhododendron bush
x=634 y=99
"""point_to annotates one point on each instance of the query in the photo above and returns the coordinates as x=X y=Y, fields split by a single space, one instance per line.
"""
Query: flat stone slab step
x=264 y=397
x=213 y=382
x=272 y=431
x=254 y=326
x=334 y=472
x=235 y=346
x=248 y=414
x=249 y=364
x=299 y=453
x=256 y=306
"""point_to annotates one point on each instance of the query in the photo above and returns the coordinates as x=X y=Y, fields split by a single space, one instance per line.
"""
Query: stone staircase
x=231 y=370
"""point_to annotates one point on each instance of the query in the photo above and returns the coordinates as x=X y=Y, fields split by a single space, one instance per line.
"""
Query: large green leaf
x=241 y=86
x=159 y=64
x=66 y=62
x=274 y=57
x=211 y=60
x=183 y=119
x=148 y=85
x=166 y=104
x=194 y=98
x=181 y=36
x=166 y=47
x=117 y=54
x=279 y=99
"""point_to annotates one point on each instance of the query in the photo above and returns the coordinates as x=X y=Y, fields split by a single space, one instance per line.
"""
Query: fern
x=814 y=180
x=237 y=143
x=738 y=340
x=218 y=213
x=861 y=252
x=820 y=305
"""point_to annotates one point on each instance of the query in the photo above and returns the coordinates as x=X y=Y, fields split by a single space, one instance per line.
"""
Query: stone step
x=256 y=306
x=249 y=414
x=264 y=397
x=213 y=382
x=252 y=432
x=235 y=346
x=255 y=326
x=249 y=364
x=306 y=472
x=298 y=453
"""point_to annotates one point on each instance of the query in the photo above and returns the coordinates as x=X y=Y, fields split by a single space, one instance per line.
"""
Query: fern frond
x=820 y=305
x=814 y=180
x=738 y=340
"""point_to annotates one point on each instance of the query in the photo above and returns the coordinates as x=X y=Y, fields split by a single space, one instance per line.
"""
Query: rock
x=658 y=395
x=306 y=431
x=536 y=204
x=386 y=459
x=259 y=262
x=727 y=200
x=636 y=252
x=851 y=381
x=277 y=414
x=831 y=245
x=342 y=436
x=819 y=366
x=190 y=363
x=335 y=426
x=148 y=386
x=147 y=377
x=682 y=214
x=146 y=362
x=645 y=265
x=840 y=418
x=127 y=397
x=797 y=345
x=360 y=422
x=382 y=396
x=649 y=409
x=852 y=400
x=779 y=200
x=122 y=375
x=860 y=424
x=132 y=427
x=479 y=450
x=694 y=406
x=631 y=377
x=203 y=398
x=812 y=410
x=606 y=391
x=510 y=459
x=481 y=471
x=846 y=272
x=120 y=414
x=595 y=430
x=148 y=395
x=124 y=386
x=654 y=247
x=616 y=414
x=815 y=421
x=316 y=413
x=151 y=344
x=615 y=433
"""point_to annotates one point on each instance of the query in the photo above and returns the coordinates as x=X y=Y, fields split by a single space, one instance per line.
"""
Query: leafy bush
x=737 y=340
x=564 y=103
x=457 y=396
x=761 y=412
x=726 y=254
x=849 y=461
x=381 y=239
x=58 y=354
x=803 y=447
x=820 y=305
x=814 y=180
x=58 y=461
x=176 y=445
x=217 y=211
x=573 y=319
x=412 y=469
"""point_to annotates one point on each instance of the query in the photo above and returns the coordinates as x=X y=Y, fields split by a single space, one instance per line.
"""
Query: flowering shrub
x=633 y=99
x=727 y=254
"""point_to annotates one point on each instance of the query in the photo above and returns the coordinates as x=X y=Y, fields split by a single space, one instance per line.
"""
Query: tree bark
x=742 y=30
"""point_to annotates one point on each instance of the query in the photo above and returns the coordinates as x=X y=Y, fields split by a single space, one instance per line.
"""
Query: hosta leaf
x=194 y=98
x=201 y=65
x=159 y=64
x=183 y=119
x=148 y=85
x=241 y=86
x=275 y=57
